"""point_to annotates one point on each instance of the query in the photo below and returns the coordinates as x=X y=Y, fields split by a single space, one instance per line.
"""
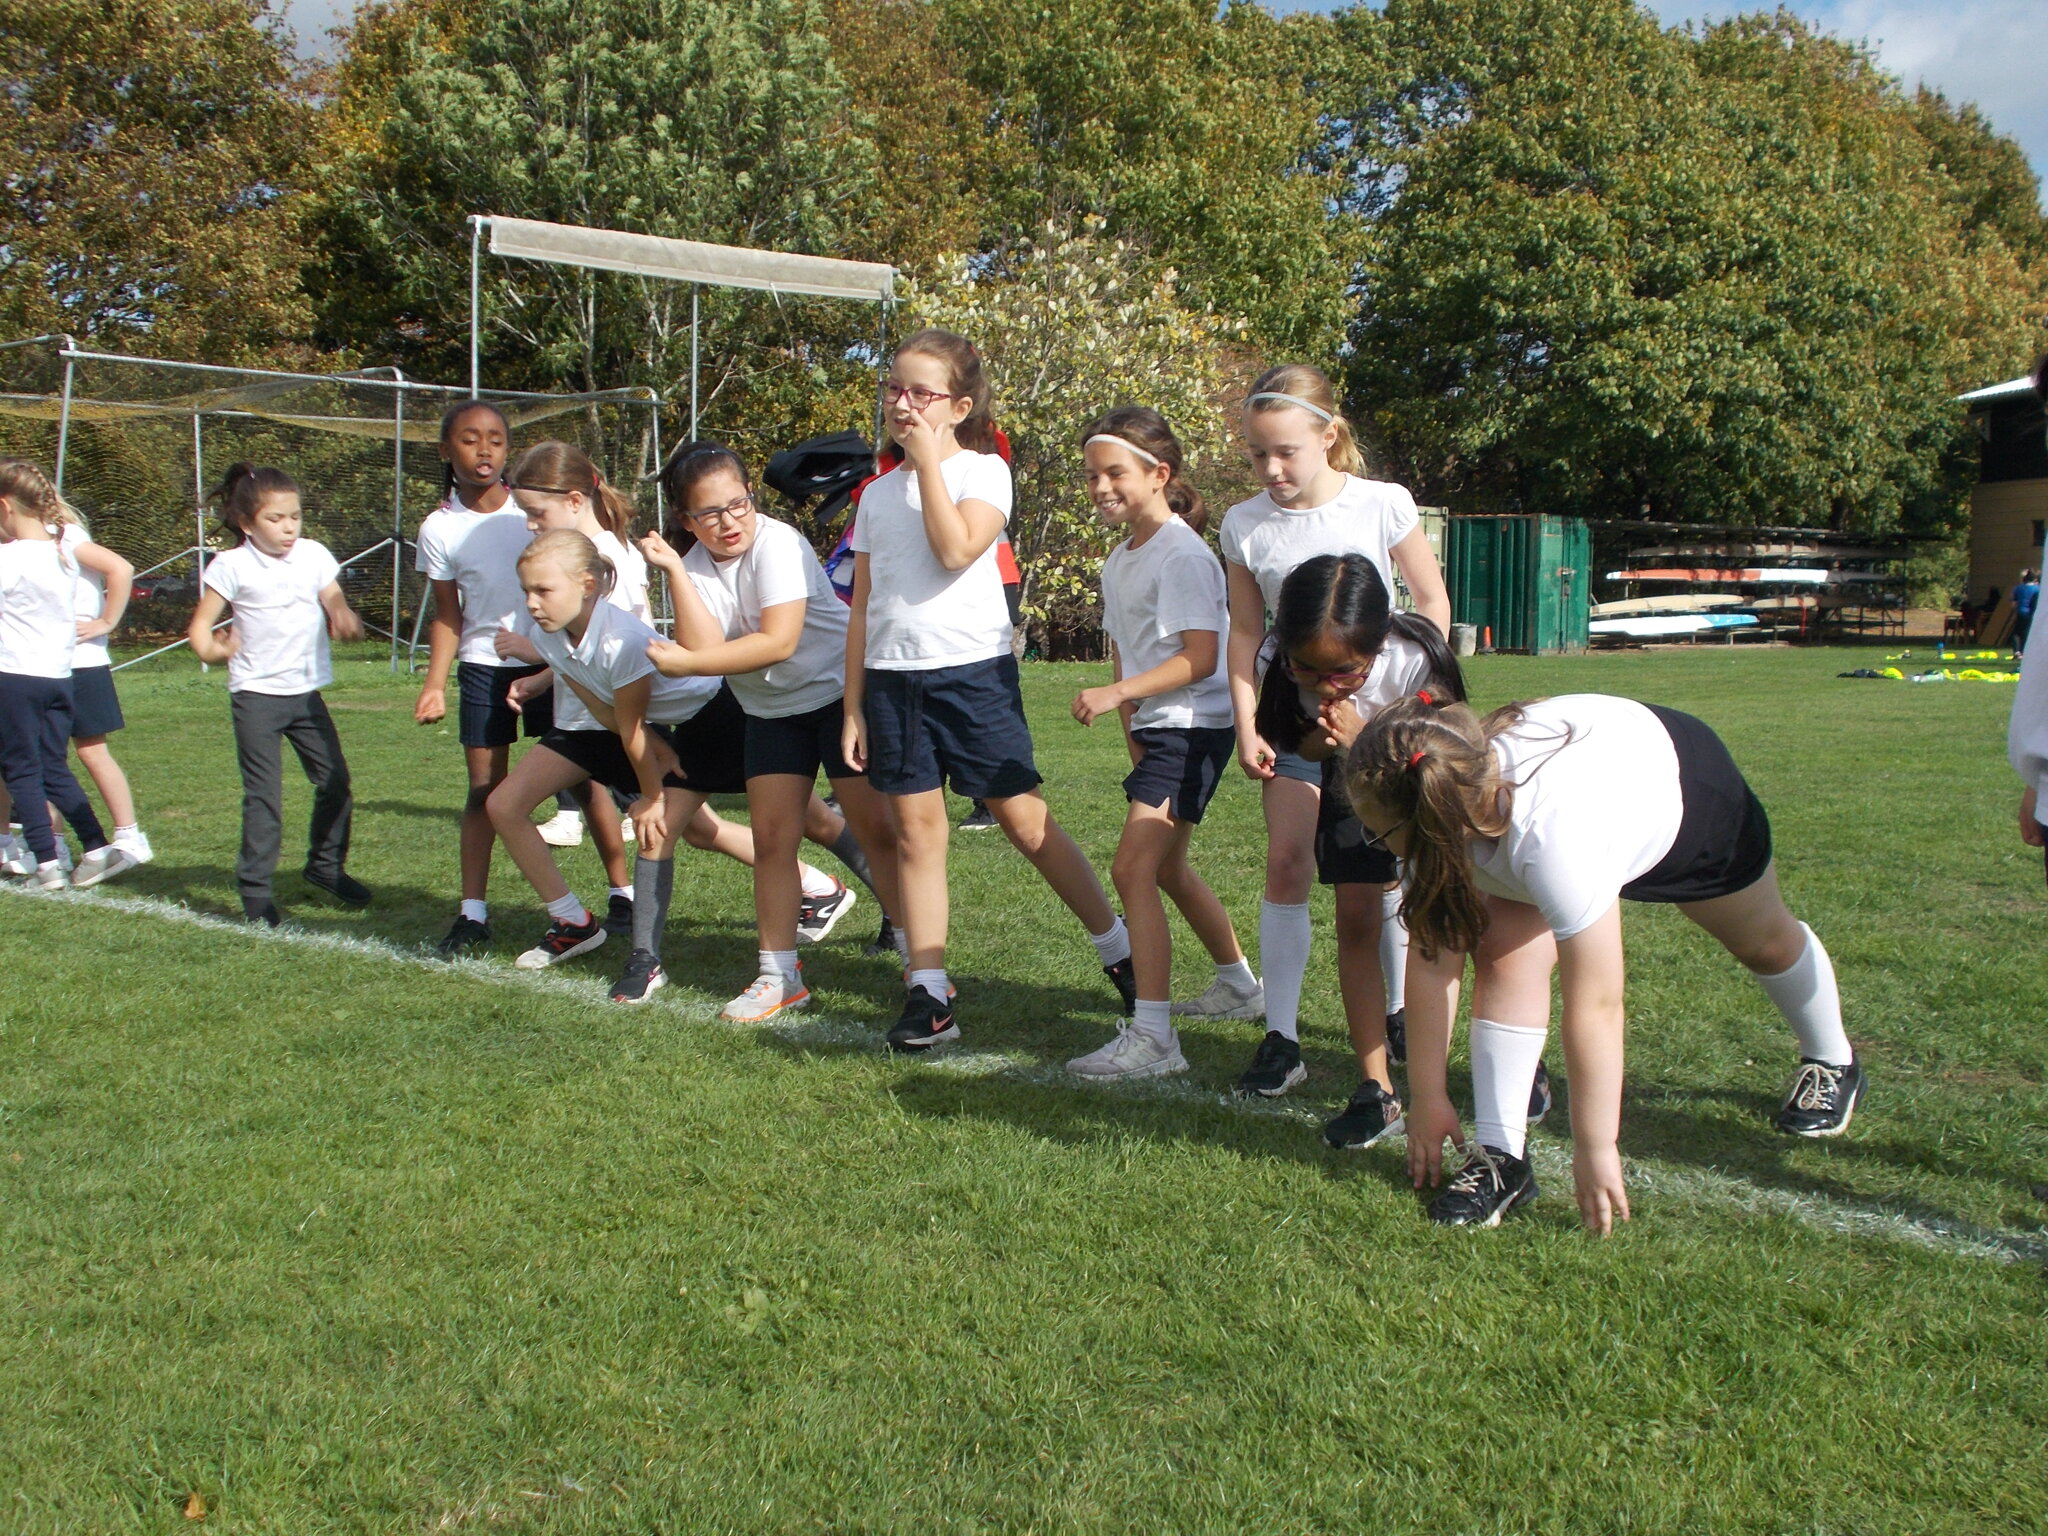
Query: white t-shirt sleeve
x=856 y=536
x=223 y=575
x=1572 y=888
x=431 y=557
x=324 y=570
x=1191 y=593
x=986 y=478
x=1230 y=538
x=781 y=567
x=1403 y=518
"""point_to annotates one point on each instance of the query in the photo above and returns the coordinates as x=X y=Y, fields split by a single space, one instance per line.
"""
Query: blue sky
x=1992 y=52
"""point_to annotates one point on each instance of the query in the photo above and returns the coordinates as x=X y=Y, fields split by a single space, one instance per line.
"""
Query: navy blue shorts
x=95 y=707
x=710 y=745
x=800 y=744
x=964 y=724
x=485 y=718
x=1181 y=768
x=1343 y=856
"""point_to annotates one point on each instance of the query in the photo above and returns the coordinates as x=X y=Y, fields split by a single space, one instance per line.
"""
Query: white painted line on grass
x=1654 y=1176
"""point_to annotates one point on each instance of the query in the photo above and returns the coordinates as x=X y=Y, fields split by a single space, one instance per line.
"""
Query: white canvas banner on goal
x=692 y=261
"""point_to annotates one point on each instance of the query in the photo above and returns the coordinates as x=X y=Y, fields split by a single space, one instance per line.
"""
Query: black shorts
x=1343 y=856
x=1181 y=768
x=95 y=707
x=800 y=744
x=1724 y=837
x=710 y=745
x=964 y=724
x=486 y=720
x=603 y=756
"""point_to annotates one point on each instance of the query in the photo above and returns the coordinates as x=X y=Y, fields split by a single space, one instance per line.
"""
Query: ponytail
x=1296 y=386
x=558 y=468
x=1142 y=428
x=242 y=491
x=25 y=483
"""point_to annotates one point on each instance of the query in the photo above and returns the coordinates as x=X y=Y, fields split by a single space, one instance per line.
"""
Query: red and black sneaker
x=563 y=941
x=924 y=1022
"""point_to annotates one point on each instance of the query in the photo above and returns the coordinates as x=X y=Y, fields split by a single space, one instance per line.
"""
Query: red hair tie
x=1418 y=757
x=1424 y=696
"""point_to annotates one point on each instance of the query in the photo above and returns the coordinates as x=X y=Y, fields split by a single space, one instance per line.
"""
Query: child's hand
x=431 y=706
x=1256 y=757
x=524 y=690
x=659 y=552
x=920 y=440
x=1431 y=1122
x=345 y=625
x=93 y=629
x=853 y=740
x=650 y=820
x=1596 y=1180
x=512 y=645
x=2031 y=831
x=1091 y=703
x=1340 y=722
x=669 y=658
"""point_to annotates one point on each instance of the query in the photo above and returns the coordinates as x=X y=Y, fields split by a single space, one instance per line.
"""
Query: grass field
x=342 y=1239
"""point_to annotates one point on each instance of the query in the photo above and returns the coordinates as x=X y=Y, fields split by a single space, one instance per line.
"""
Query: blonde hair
x=23 y=482
x=1313 y=386
x=557 y=468
x=572 y=550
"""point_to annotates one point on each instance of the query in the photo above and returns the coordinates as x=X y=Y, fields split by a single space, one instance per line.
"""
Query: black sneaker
x=644 y=977
x=924 y=1022
x=1124 y=976
x=1539 y=1094
x=618 y=918
x=1373 y=1112
x=1397 y=1036
x=342 y=886
x=884 y=941
x=817 y=916
x=1489 y=1186
x=467 y=933
x=562 y=941
x=1276 y=1067
x=264 y=912
x=1822 y=1099
x=980 y=819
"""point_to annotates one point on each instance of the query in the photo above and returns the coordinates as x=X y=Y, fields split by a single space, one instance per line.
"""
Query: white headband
x=1307 y=405
x=1106 y=437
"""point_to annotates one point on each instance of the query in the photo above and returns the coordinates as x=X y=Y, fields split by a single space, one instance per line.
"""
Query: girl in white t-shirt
x=599 y=653
x=38 y=634
x=1314 y=503
x=287 y=599
x=753 y=606
x=931 y=682
x=1519 y=837
x=1164 y=611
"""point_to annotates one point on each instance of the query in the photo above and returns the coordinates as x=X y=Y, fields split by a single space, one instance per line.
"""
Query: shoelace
x=1479 y=1167
x=760 y=987
x=1817 y=1085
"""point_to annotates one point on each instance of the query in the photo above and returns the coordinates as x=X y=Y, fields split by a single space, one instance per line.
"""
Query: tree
x=1070 y=325
x=149 y=161
x=723 y=122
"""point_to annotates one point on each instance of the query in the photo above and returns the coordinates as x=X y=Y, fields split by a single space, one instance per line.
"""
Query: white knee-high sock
x=1283 y=962
x=1394 y=949
x=1807 y=996
x=1504 y=1058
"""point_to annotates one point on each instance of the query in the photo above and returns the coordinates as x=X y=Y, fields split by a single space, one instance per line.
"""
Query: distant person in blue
x=2026 y=597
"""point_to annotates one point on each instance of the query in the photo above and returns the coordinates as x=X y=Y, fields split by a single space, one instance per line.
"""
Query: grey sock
x=846 y=849
x=654 y=881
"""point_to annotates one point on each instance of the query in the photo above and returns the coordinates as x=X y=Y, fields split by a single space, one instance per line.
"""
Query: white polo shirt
x=613 y=653
x=280 y=627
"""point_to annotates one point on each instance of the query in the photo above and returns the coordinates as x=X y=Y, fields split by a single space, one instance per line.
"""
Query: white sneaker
x=51 y=877
x=562 y=830
x=1132 y=1053
x=102 y=864
x=15 y=859
x=769 y=995
x=135 y=845
x=1224 y=1001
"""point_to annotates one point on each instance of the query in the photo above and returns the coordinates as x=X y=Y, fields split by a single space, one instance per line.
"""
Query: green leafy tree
x=146 y=172
x=723 y=122
x=1070 y=325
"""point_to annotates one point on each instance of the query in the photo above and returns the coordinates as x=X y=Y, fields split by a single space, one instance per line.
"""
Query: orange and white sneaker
x=771 y=993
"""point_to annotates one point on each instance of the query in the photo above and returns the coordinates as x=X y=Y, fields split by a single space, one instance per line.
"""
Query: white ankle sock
x=623 y=890
x=476 y=911
x=779 y=962
x=1237 y=974
x=1807 y=996
x=933 y=981
x=1153 y=1020
x=1504 y=1058
x=816 y=881
x=1283 y=961
x=567 y=909
x=1394 y=949
x=1114 y=946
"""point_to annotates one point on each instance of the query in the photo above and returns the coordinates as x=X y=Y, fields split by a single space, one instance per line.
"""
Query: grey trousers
x=262 y=721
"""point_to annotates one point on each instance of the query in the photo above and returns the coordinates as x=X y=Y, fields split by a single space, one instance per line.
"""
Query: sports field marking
x=1647 y=1176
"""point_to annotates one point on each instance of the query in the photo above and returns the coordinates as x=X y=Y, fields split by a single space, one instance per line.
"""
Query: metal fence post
x=397 y=511
x=64 y=425
x=198 y=517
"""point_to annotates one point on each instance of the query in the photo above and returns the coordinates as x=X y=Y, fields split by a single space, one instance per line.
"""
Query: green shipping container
x=1524 y=577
